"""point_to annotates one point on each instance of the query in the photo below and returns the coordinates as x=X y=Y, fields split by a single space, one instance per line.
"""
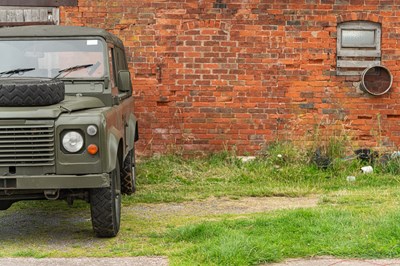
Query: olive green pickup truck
x=67 y=127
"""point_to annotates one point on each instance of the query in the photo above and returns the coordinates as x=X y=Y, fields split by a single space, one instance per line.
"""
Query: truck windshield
x=48 y=57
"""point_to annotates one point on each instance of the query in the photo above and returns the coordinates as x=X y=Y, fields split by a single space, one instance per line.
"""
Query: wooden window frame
x=19 y=16
x=349 y=59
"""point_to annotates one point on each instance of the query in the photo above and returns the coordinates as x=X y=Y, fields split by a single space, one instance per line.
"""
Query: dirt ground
x=213 y=206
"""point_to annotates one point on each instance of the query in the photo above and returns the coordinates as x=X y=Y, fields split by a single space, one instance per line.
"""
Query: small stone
x=367 y=169
x=395 y=154
x=246 y=159
x=351 y=178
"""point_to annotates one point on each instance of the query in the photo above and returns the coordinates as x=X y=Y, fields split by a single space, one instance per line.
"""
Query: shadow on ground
x=46 y=223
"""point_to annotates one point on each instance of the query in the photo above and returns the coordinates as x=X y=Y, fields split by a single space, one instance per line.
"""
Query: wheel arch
x=136 y=131
x=120 y=153
x=114 y=149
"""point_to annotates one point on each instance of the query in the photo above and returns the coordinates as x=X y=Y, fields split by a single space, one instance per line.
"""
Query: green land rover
x=67 y=127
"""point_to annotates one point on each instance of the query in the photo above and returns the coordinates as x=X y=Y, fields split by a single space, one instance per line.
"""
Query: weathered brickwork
x=208 y=78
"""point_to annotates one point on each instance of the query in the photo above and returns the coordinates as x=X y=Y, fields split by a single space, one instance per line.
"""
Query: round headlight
x=91 y=130
x=72 y=141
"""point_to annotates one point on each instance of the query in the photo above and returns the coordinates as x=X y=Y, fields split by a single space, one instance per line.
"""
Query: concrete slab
x=330 y=261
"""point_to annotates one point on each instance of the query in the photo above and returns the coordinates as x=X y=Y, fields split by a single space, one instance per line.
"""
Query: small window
x=111 y=59
x=358 y=46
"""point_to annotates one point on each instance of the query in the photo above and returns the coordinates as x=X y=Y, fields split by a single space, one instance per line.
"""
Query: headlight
x=72 y=141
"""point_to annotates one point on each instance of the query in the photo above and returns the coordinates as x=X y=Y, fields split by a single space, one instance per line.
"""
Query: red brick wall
x=259 y=70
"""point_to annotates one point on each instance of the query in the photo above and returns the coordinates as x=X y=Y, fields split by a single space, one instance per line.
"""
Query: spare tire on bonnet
x=31 y=92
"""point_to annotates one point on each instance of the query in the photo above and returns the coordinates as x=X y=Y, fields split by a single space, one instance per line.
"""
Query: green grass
x=300 y=233
x=173 y=179
x=353 y=219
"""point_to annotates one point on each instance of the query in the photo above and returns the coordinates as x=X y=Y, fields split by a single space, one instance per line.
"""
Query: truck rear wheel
x=128 y=174
x=105 y=206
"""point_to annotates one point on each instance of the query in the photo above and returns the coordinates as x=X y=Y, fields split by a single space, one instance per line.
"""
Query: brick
x=307 y=106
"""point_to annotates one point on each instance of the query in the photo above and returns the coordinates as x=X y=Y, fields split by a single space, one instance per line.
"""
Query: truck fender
x=130 y=132
x=113 y=140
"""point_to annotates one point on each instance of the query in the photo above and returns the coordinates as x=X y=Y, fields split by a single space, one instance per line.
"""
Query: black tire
x=128 y=174
x=15 y=92
x=105 y=206
x=5 y=204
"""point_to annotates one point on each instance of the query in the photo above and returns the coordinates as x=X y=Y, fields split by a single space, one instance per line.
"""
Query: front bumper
x=54 y=181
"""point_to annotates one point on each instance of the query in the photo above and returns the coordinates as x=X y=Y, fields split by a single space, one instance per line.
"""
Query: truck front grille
x=27 y=145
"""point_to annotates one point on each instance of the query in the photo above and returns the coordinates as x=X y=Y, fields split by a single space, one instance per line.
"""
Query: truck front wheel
x=5 y=204
x=105 y=206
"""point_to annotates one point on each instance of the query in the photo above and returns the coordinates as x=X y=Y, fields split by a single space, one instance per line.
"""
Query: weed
x=284 y=153
x=389 y=166
x=330 y=141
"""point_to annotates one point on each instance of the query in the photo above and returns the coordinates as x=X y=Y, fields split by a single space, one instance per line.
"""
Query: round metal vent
x=376 y=80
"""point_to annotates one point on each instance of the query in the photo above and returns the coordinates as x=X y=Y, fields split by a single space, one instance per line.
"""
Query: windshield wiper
x=19 y=71
x=71 y=69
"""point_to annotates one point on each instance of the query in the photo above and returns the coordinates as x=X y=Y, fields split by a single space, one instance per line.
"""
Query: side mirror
x=124 y=81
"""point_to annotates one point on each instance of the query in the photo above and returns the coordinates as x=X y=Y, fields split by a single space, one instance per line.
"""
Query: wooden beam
x=359 y=53
x=49 y=3
x=12 y=24
x=348 y=73
x=357 y=64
